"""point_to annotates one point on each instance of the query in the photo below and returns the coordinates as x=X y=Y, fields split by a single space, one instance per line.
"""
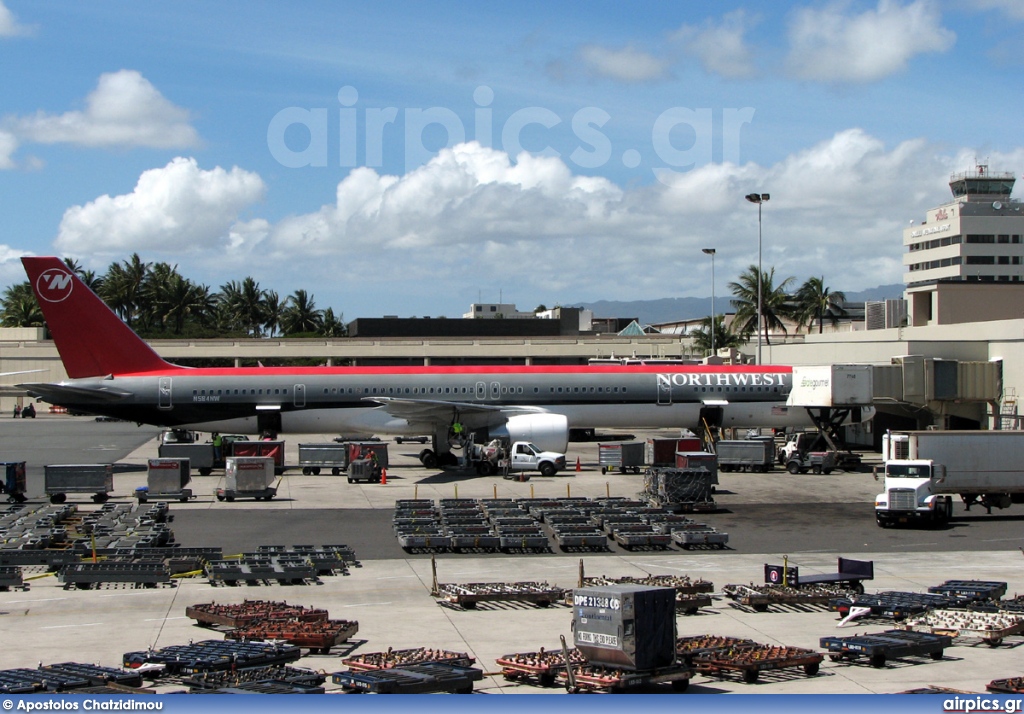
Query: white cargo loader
x=923 y=470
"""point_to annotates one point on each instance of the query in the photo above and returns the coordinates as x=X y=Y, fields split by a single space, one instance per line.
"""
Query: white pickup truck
x=497 y=456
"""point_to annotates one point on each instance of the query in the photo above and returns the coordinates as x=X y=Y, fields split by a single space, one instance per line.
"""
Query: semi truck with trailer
x=924 y=470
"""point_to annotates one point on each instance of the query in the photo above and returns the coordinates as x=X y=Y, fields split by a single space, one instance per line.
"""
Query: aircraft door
x=300 y=395
x=664 y=392
x=481 y=390
x=163 y=393
x=495 y=390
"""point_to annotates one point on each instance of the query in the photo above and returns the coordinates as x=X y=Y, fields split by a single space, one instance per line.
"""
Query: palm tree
x=300 y=314
x=774 y=302
x=19 y=307
x=724 y=337
x=158 y=292
x=331 y=326
x=273 y=311
x=121 y=286
x=815 y=302
x=245 y=305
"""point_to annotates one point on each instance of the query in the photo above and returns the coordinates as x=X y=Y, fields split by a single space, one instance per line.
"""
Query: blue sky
x=409 y=158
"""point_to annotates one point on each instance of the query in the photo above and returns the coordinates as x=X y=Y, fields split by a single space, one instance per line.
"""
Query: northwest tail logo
x=54 y=285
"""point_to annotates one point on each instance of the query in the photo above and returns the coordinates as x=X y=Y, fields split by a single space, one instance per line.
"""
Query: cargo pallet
x=540 y=667
x=751 y=661
x=687 y=538
x=882 y=646
x=318 y=636
x=1011 y=685
x=425 y=678
x=94 y=674
x=213 y=655
x=690 y=648
x=579 y=536
x=392 y=659
x=324 y=558
x=84 y=575
x=29 y=681
x=595 y=678
x=760 y=597
x=972 y=590
x=640 y=536
x=246 y=613
x=232 y=572
x=894 y=604
x=468 y=595
x=205 y=681
x=990 y=627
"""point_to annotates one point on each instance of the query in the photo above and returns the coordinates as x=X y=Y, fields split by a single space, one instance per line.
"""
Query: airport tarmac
x=812 y=519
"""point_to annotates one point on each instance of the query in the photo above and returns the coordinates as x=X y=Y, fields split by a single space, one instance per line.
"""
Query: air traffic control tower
x=975 y=237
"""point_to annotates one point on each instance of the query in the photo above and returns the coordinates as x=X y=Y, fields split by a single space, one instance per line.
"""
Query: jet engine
x=550 y=432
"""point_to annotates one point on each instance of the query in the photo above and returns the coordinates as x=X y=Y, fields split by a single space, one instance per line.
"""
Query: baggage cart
x=270 y=449
x=541 y=667
x=314 y=457
x=990 y=627
x=971 y=590
x=62 y=479
x=624 y=456
x=200 y=456
x=599 y=678
x=363 y=449
x=319 y=636
x=166 y=479
x=392 y=658
x=882 y=646
x=754 y=660
x=687 y=538
x=423 y=678
x=468 y=595
x=248 y=477
x=13 y=483
x=851 y=573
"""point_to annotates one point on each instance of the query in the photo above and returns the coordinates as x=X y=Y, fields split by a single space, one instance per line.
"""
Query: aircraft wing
x=434 y=411
x=56 y=393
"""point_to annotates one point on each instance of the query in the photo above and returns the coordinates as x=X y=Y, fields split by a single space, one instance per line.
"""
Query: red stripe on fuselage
x=462 y=369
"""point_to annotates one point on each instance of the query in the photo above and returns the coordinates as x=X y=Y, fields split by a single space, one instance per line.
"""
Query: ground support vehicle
x=990 y=627
x=364 y=470
x=1010 y=685
x=979 y=591
x=314 y=457
x=248 y=477
x=166 y=479
x=746 y=455
x=819 y=462
x=13 y=483
x=318 y=636
x=425 y=678
x=624 y=456
x=923 y=470
x=517 y=458
x=200 y=456
x=760 y=658
x=541 y=667
x=695 y=535
x=849 y=573
x=62 y=479
x=882 y=646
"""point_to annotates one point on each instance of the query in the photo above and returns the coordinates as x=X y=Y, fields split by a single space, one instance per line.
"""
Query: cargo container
x=835 y=385
x=362 y=449
x=62 y=479
x=662 y=452
x=924 y=469
x=270 y=449
x=699 y=460
x=746 y=454
x=313 y=457
x=166 y=479
x=248 y=477
x=631 y=627
x=624 y=456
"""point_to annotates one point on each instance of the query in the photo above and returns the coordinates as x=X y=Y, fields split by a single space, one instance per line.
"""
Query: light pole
x=711 y=252
x=758 y=198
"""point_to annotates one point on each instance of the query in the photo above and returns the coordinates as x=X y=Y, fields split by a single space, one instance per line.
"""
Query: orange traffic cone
x=383 y=477
x=578 y=468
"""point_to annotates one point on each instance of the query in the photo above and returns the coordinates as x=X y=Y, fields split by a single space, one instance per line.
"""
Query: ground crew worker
x=217 y=443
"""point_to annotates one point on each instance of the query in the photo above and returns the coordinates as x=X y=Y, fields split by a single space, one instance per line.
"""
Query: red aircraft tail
x=91 y=339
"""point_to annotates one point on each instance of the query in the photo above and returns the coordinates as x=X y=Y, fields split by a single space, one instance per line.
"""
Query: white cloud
x=8 y=145
x=832 y=45
x=174 y=209
x=123 y=110
x=9 y=25
x=1013 y=8
x=623 y=65
x=720 y=47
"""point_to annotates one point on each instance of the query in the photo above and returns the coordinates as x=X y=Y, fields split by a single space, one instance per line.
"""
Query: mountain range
x=650 y=312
